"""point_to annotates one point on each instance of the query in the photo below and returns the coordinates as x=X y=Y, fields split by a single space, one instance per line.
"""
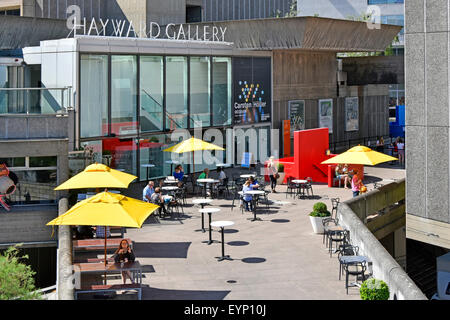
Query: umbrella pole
x=106 y=261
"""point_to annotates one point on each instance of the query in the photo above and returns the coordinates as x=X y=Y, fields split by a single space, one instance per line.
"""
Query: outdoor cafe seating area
x=181 y=195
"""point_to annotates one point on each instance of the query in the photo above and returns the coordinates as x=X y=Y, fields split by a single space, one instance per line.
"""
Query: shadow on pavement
x=253 y=260
x=161 y=249
x=238 y=243
x=149 y=293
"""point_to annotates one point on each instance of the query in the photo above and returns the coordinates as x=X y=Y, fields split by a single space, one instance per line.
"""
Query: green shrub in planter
x=320 y=210
x=280 y=167
x=374 y=289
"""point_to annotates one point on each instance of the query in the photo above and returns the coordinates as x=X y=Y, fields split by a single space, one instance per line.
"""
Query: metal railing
x=35 y=101
x=338 y=146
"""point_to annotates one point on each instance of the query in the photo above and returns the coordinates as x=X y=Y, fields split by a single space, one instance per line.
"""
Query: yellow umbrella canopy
x=98 y=176
x=360 y=155
x=107 y=209
x=193 y=144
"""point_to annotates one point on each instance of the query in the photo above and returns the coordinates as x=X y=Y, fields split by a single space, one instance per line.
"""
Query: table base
x=223 y=258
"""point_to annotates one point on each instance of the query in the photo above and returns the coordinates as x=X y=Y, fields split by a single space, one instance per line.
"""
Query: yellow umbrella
x=360 y=155
x=98 y=176
x=192 y=145
x=107 y=209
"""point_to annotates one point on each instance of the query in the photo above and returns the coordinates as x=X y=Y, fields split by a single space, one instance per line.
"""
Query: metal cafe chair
x=340 y=236
x=346 y=250
x=355 y=269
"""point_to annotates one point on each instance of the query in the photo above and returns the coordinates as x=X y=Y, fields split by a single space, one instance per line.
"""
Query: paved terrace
x=278 y=258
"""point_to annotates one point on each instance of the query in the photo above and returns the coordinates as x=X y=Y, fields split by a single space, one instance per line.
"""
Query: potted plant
x=320 y=212
x=374 y=289
x=281 y=173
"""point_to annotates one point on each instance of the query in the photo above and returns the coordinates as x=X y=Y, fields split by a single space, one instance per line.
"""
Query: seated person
x=253 y=183
x=222 y=175
x=124 y=254
x=158 y=199
x=148 y=191
x=100 y=232
x=204 y=175
x=178 y=173
x=342 y=172
x=247 y=197
x=84 y=232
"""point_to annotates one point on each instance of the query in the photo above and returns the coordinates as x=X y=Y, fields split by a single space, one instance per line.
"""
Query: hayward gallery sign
x=124 y=28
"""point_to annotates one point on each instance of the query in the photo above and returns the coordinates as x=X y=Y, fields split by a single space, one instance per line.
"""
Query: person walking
x=356 y=184
x=273 y=173
x=401 y=151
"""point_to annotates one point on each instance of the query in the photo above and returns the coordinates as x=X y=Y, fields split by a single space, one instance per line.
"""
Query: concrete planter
x=317 y=224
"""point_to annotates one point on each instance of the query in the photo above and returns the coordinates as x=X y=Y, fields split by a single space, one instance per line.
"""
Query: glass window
x=221 y=91
x=94 y=95
x=123 y=95
x=176 y=92
x=151 y=152
x=151 y=86
x=13 y=162
x=121 y=154
x=200 y=92
x=43 y=162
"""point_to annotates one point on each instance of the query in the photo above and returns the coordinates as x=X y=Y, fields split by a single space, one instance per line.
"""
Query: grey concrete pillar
x=64 y=268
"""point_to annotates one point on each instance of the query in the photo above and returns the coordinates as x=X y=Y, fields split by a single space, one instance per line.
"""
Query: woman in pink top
x=356 y=184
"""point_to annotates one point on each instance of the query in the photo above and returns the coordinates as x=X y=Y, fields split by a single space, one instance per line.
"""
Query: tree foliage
x=16 y=278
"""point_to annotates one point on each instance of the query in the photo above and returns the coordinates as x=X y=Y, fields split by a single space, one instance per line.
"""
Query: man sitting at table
x=253 y=183
x=100 y=232
x=148 y=191
x=178 y=173
x=158 y=199
x=204 y=175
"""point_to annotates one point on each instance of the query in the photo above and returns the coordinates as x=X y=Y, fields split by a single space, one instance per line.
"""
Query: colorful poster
x=252 y=90
x=352 y=114
x=326 y=114
x=297 y=115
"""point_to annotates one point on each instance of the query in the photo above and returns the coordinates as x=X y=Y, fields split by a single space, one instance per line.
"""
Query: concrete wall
x=33 y=127
x=383 y=265
x=427 y=120
x=28 y=224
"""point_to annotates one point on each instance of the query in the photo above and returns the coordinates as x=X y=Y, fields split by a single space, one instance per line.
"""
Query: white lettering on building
x=152 y=30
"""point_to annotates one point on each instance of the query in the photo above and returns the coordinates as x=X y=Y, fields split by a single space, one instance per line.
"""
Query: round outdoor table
x=348 y=260
x=209 y=211
x=300 y=182
x=170 y=181
x=206 y=181
x=167 y=188
x=202 y=203
x=148 y=166
x=222 y=225
x=246 y=176
x=255 y=194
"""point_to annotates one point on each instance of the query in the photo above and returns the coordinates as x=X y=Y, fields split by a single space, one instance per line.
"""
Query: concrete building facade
x=427 y=122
